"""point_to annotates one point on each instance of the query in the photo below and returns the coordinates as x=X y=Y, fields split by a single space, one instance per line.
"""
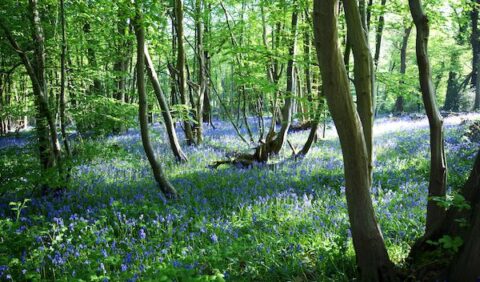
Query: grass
x=286 y=222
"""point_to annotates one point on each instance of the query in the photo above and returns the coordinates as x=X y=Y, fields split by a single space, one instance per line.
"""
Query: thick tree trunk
x=158 y=173
x=459 y=223
x=372 y=257
x=465 y=267
x=167 y=118
x=182 y=77
x=438 y=165
x=364 y=74
x=452 y=96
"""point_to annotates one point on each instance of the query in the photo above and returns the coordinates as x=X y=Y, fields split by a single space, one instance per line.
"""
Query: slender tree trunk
x=287 y=107
x=63 y=74
x=121 y=63
x=308 y=78
x=438 y=165
x=379 y=33
x=364 y=74
x=403 y=67
x=475 y=41
x=372 y=257
x=202 y=79
x=207 y=111
x=167 y=118
x=92 y=60
x=182 y=77
x=158 y=173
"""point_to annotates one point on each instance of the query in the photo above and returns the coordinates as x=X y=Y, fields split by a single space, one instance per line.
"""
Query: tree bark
x=475 y=42
x=182 y=78
x=277 y=144
x=372 y=257
x=63 y=74
x=167 y=117
x=379 y=33
x=202 y=79
x=92 y=60
x=460 y=223
x=167 y=189
x=438 y=165
x=364 y=74
x=403 y=67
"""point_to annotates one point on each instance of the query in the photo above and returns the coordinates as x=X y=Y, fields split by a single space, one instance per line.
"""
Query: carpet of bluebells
x=286 y=221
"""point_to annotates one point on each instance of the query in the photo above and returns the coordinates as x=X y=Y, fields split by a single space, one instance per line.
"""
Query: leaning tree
x=158 y=173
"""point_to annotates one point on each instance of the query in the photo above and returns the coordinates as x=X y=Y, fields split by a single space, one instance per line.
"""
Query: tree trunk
x=207 y=111
x=92 y=61
x=182 y=77
x=287 y=107
x=63 y=74
x=379 y=33
x=372 y=257
x=121 y=62
x=202 y=79
x=403 y=67
x=167 y=118
x=465 y=267
x=364 y=74
x=475 y=41
x=158 y=174
x=459 y=223
x=308 y=78
x=438 y=165
x=452 y=96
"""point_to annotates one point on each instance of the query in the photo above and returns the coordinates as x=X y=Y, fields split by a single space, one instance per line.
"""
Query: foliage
x=100 y=115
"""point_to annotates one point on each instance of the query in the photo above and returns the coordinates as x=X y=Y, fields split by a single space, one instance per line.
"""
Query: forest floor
x=282 y=222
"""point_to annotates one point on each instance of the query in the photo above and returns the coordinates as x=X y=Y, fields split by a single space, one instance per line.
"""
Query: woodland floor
x=282 y=222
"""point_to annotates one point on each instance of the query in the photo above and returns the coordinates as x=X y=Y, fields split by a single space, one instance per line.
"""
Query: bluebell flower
x=214 y=238
x=142 y=234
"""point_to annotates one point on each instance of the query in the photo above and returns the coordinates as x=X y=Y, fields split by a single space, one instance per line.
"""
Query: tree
x=182 y=78
x=167 y=117
x=475 y=42
x=403 y=67
x=158 y=173
x=372 y=257
x=63 y=74
x=438 y=165
x=364 y=73
x=49 y=146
